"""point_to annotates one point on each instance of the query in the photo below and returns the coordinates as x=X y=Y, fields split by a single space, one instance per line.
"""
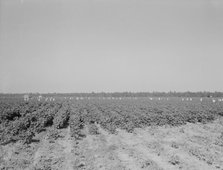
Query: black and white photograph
x=111 y=84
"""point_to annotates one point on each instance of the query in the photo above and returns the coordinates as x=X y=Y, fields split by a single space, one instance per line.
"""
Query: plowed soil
x=188 y=147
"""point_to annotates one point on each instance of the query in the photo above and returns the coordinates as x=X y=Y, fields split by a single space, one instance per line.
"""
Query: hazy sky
x=111 y=45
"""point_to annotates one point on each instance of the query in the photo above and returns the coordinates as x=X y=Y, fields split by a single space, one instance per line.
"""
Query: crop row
x=22 y=120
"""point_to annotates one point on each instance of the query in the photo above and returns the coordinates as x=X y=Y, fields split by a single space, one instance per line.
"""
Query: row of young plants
x=22 y=120
x=129 y=115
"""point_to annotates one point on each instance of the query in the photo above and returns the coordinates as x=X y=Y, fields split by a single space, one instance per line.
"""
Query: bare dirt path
x=55 y=154
x=192 y=146
x=97 y=153
x=67 y=144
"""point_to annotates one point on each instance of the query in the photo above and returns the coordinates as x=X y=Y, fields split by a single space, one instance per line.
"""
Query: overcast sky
x=111 y=45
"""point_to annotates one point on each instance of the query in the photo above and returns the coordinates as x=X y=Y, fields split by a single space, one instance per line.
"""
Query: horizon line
x=112 y=92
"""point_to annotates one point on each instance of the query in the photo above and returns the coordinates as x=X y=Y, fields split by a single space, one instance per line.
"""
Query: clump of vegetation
x=61 y=118
x=53 y=134
x=76 y=124
x=93 y=129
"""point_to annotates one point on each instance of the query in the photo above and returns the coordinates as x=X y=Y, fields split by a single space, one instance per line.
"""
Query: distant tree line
x=120 y=94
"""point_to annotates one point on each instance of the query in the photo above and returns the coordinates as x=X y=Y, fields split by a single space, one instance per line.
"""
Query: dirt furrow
x=98 y=154
x=55 y=154
x=67 y=144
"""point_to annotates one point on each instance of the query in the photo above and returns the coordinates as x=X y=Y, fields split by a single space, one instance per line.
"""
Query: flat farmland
x=119 y=133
